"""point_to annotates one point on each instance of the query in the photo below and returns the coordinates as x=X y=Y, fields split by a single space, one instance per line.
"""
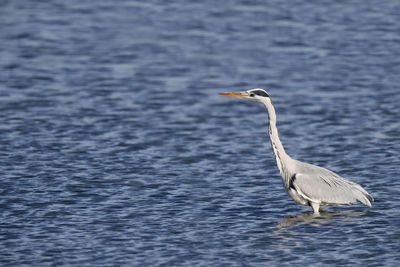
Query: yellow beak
x=233 y=94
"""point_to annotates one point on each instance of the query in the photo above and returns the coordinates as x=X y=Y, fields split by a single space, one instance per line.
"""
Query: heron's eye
x=252 y=94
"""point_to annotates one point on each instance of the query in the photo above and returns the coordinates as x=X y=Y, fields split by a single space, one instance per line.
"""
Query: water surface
x=116 y=148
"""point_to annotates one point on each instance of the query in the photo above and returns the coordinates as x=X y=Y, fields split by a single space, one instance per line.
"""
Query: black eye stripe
x=260 y=93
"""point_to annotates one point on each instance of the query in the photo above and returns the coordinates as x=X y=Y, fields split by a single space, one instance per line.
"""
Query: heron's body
x=307 y=184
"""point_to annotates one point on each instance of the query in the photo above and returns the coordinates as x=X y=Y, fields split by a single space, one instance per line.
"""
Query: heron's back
x=326 y=187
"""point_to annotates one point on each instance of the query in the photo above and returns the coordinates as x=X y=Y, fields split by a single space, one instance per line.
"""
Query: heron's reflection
x=290 y=221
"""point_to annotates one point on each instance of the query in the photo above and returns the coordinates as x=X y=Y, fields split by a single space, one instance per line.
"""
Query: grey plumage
x=323 y=186
x=307 y=184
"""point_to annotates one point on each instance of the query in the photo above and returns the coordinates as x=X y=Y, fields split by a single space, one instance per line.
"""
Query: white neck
x=282 y=159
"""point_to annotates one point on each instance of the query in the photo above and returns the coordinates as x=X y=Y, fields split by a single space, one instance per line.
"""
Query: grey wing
x=326 y=187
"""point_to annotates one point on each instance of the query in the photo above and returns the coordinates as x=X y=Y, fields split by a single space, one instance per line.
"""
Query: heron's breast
x=297 y=197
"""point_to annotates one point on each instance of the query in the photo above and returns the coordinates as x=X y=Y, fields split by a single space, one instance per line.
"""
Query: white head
x=256 y=94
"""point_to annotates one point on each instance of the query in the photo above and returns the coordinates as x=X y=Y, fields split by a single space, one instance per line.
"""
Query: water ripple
x=116 y=148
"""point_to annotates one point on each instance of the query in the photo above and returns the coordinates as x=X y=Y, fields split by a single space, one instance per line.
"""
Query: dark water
x=116 y=148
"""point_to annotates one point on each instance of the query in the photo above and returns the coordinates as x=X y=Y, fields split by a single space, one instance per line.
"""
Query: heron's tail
x=363 y=195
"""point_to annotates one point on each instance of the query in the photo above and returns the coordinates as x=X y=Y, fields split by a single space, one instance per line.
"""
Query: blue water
x=116 y=149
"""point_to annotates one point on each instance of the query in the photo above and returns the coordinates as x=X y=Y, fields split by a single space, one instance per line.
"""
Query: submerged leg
x=315 y=207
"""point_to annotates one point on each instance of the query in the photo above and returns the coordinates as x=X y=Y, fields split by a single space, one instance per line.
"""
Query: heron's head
x=252 y=94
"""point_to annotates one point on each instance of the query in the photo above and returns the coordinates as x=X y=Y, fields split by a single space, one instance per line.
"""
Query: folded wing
x=326 y=187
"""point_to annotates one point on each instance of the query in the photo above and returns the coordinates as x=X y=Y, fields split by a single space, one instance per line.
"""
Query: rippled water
x=116 y=148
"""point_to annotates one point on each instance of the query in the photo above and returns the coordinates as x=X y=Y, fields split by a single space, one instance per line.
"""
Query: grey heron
x=306 y=184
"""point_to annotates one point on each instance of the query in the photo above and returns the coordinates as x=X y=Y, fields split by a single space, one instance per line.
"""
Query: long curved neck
x=282 y=159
